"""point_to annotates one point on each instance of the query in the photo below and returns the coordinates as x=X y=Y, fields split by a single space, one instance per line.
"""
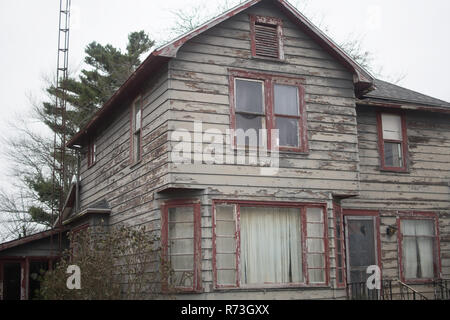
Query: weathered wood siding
x=424 y=188
x=129 y=189
x=199 y=91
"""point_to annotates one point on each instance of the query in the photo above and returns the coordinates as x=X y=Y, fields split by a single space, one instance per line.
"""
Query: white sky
x=405 y=37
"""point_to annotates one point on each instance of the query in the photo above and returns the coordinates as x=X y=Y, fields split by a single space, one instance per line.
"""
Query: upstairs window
x=136 y=131
x=392 y=141
x=263 y=101
x=267 y=37
x=92 y=153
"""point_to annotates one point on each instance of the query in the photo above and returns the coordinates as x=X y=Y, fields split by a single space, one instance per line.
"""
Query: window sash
x=181 y=244
x=392 y=141
x=419 y=258
x=311 y=274
x=297 y=141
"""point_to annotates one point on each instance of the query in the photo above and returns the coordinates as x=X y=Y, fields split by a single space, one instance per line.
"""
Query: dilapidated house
x=355 y=171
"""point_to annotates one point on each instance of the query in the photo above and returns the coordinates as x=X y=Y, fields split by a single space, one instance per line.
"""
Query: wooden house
x=356 y=170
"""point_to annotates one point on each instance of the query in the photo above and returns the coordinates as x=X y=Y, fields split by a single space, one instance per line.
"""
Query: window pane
x=316 y=261
x=393 y=155
x=271 y=249
x=251 y=126
x=288 y=131
x=226 y=261
x=181 y=214
x=225 y=228
x=315 y=230
x=418 y=248
x=137 y=118
x=314 y=214
x=316 y=275
x=315 y=245
x=249 y=96
x=286 y=100
x=226 y=277
x=183 y=262
x=225 y=212
x=392 y=126
x=225 y=245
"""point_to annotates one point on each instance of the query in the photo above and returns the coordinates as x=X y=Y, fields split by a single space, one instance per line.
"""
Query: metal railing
x=394 y=289
x=442 y=289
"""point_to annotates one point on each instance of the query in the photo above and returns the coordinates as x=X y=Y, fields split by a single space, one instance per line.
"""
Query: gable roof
x=362 y=79
x=28 y=239
x=394 y=93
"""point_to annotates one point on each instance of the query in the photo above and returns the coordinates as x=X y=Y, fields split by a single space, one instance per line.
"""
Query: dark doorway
x=37 y=270
x=11 y=281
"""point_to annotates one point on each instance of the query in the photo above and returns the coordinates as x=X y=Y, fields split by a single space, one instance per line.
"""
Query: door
x=361 y=246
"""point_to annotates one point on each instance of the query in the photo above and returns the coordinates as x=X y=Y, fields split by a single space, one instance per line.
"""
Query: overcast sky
x=405 y=37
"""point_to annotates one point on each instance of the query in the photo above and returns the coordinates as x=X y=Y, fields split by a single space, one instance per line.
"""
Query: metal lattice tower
x=59 y=171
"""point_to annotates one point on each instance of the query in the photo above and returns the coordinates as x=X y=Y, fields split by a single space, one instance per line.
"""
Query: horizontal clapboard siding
x=199 y=90
x=424 y=188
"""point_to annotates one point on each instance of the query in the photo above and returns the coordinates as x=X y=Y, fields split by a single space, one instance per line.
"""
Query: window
x=339 y=249
x=92 y=153
x=392 y=141
x=419 y=243
x=267 y=37
x=261 y=101
x=181 y=244
x=136 y=124
x=269 y=244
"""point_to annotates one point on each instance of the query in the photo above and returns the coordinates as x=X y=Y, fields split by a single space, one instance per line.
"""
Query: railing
x=442 y=289
x=393 y=290
x=408 y=293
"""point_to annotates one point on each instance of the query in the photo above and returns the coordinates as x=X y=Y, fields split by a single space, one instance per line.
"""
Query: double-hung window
x=419 y=243
x=181 y=245
x=269 y=244
x=392 y=141
x=275 y=103
x=136 y=131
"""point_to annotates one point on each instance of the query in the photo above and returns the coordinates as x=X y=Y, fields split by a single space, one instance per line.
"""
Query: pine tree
x=107 y=68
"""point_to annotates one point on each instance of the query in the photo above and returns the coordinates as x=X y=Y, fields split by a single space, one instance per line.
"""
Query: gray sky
x=405 y=37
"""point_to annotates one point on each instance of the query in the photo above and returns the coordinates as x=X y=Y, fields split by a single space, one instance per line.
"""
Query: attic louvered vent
x=266 y=37
x=266 y=40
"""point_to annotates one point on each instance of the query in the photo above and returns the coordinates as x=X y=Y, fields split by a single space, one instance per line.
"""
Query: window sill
x=395 y=170
x=274 y=287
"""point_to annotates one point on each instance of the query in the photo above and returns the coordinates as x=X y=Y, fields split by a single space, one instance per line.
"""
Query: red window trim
x=437 y=263
x=270 y=21
x=366 y=213
x=195 y=204
x=92 y=158
x=381 y=141
x=339 y=238
x=269 y=80
x=302 y=206
x=139 y=100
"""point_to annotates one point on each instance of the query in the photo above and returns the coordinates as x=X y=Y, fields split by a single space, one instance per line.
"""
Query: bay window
x=272 y=244
x=262 y=101
x=392 y=141
x=419 y=243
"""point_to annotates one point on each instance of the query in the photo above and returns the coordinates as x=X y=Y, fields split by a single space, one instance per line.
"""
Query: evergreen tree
x=107 y=68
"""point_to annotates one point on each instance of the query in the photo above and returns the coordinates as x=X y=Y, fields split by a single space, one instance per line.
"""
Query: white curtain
x=270 y=245
x=418 y=248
